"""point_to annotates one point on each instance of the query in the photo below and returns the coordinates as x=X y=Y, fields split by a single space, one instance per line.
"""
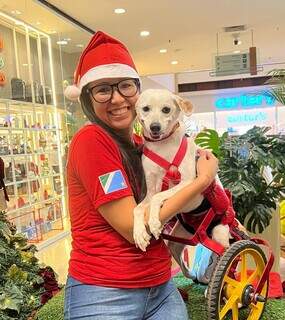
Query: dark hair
x=131 y=155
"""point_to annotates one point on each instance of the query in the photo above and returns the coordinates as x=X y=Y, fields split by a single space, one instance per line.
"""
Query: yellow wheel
x=230 y=291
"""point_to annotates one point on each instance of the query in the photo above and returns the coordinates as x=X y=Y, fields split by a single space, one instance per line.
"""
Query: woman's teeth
x=118 y=112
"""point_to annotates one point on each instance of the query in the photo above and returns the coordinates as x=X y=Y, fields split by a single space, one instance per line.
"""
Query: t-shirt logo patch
x=113 y=181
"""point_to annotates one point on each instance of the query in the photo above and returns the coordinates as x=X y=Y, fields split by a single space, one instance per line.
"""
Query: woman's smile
x=119 y=112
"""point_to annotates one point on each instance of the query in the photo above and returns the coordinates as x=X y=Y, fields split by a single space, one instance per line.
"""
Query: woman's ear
x=185 y=105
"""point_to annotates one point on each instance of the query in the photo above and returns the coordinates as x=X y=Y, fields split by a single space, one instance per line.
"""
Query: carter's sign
x=244 y=101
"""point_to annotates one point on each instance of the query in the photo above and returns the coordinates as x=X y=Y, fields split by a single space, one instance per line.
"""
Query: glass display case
x=32 y=130
x=31 y=147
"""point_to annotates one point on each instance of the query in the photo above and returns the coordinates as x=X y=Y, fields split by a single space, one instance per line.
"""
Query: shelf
x=30 y=206
x=28 y=129
x=27 y=104
x=56 y=175
x=28 y=154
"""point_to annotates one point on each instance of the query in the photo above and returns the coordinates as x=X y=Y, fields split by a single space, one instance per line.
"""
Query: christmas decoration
x=24 y=284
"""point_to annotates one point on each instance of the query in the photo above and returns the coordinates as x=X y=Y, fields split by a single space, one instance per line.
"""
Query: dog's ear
x=185 y=105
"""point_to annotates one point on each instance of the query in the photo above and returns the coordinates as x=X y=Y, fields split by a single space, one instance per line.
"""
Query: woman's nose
x=116 y=96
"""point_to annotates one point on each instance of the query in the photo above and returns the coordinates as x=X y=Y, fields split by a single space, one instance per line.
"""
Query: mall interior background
x=38 y=55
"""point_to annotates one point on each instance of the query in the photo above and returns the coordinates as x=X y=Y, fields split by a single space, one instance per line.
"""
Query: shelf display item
x=18 y=89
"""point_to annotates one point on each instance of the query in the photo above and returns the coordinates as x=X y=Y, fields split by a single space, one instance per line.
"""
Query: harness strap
x=171 y=168
x=156 y=158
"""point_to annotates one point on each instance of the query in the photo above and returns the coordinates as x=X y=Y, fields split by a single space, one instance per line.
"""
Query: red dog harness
x=219 y=198
x=172 y=173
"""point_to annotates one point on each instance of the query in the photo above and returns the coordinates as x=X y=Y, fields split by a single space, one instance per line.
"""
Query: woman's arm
x=123 y=208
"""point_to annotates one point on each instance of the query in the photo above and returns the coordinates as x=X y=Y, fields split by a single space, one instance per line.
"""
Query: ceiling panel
x=191 y=30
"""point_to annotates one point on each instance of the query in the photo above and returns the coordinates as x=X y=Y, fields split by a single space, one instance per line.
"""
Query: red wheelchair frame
x=201 y=236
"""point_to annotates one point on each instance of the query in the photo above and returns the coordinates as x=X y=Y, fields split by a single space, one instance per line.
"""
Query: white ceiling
x=190 y=30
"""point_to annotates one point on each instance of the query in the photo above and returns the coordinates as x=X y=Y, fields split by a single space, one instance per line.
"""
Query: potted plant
x=244 y=163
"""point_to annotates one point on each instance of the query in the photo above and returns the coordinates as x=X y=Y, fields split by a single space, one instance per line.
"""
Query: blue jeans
x=88 y=302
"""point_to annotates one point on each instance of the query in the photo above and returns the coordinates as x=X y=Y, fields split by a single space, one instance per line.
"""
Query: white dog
x=160 y=112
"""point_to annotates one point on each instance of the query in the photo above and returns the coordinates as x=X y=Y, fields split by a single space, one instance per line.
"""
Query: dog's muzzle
x=155 y=128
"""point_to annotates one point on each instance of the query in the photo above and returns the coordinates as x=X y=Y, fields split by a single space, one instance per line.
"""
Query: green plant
x=21 y=282
x=244 y=160
x=277 y=85
x=53 y=309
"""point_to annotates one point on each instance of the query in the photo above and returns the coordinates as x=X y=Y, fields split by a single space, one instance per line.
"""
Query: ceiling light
x=174 y=62
x=236 y=51
x=52 y=31
x=144 y=33
x=79 y=45
x=16 y=12
x=62 y=42
x=163 y=50
x=38 y=23
x=119 y=10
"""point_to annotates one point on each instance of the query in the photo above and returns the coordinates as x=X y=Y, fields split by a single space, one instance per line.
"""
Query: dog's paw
x=140 y=234
x=155 y=227
x=141 y=238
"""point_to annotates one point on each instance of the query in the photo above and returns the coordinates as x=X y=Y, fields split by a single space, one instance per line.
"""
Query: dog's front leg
x=156 y=203
x=140 y=234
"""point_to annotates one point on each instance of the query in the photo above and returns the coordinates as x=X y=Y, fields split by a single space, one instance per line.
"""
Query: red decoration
x=2 y=79
x=21 y=202
x=50 y=284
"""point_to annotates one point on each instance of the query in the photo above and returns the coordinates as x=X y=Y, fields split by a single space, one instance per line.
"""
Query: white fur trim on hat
x=72 y=92
x=114 y=70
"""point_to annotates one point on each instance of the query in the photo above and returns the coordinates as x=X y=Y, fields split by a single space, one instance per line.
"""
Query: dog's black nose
x=155 y=127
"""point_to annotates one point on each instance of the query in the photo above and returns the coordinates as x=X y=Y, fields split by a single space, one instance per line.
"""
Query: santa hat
x=104 y=57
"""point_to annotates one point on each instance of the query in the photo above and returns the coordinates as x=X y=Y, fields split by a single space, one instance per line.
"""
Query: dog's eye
x=146 y=108
x=166 y=109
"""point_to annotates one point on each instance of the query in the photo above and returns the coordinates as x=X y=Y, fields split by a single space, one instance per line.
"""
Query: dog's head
x=159 y=112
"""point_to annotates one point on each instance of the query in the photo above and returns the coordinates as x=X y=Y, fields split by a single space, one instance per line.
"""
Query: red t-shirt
x=100 y=255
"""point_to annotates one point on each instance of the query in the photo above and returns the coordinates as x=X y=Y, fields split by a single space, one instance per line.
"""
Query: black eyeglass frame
x=115 y=85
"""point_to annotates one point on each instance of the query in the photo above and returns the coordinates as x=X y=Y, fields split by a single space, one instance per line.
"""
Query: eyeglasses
x=104 y=92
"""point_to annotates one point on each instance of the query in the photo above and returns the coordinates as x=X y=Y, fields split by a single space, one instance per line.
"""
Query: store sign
x=244 y=102
x=232 y=64
x=247 y=117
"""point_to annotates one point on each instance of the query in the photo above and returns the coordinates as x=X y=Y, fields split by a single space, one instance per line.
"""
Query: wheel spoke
x=235 y=311
x=228 y=306
x=231 y=281
x=255 y=310
x=243 y=273
x=252 y=276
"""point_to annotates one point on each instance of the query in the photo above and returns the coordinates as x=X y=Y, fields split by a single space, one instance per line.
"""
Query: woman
x=109 y=278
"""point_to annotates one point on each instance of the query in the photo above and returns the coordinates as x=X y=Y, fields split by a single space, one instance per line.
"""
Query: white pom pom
x=72 y=92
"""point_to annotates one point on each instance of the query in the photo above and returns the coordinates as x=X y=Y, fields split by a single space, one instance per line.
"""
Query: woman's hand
x=207 y=166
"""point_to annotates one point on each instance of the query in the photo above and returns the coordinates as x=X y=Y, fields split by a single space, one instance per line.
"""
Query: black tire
x=217 y=287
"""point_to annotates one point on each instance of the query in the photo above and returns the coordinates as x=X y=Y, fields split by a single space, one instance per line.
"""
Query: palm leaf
x=277 y=85
x=209 y=139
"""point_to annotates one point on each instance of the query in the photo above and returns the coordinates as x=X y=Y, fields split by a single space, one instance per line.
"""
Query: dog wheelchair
x=239 y=282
